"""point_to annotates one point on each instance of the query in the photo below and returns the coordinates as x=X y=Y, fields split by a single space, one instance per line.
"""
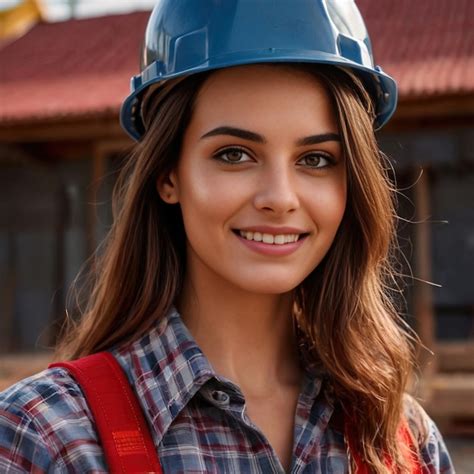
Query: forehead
x=264 y=96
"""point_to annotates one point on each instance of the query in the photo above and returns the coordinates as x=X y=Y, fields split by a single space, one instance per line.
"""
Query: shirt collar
x=167 y=368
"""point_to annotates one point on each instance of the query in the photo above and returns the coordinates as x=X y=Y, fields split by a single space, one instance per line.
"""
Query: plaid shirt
x=198 y=418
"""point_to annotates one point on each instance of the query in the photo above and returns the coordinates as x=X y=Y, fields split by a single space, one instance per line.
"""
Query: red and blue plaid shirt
x=197 y=418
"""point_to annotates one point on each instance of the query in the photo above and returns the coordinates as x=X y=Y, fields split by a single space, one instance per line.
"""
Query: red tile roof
x=82 y=67
x=76 y=67
x=426 y=45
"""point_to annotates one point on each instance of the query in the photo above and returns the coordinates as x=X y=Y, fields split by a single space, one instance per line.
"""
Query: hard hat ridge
x=187 y=36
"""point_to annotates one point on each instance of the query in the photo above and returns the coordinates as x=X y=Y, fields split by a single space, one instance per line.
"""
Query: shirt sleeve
x=433 y=452
x=22 y=448
x=46 y=426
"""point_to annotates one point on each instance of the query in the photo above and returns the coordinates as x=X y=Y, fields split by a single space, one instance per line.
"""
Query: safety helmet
x=189 y=36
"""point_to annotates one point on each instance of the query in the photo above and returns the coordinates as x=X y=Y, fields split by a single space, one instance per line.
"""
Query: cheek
x=206 y=198
x=326 y=204
x=334 y=204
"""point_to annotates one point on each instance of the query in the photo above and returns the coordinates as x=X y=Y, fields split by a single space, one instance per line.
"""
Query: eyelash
x=320 y=154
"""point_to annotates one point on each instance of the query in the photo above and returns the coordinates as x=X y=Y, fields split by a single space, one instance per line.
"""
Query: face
x=261 y=178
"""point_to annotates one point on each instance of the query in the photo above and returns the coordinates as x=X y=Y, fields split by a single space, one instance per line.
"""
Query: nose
x=276 y=191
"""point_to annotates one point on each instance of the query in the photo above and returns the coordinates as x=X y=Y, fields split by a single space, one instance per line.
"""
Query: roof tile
x=426 y=45
x=83 y=67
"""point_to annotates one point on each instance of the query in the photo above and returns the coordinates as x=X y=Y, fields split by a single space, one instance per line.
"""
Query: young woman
x=245 y=285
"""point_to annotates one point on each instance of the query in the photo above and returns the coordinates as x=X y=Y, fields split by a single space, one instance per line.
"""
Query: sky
x=56 y=10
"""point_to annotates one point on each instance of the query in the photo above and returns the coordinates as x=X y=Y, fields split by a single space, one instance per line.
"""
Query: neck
x=247 y=337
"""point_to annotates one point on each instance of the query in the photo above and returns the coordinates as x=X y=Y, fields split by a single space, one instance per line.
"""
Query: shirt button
x=220 y=397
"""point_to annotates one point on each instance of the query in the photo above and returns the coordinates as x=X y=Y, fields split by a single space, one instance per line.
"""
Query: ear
x=167 y=187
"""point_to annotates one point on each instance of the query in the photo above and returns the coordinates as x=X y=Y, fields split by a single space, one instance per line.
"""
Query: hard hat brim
x=380 y=85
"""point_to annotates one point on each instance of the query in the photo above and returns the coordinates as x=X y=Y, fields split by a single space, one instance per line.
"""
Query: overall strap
x=121 y=426
x=344 y=424
x=406 y=442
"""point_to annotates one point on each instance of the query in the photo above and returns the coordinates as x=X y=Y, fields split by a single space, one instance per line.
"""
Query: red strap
x=407 y=444
x=406 y=439
x=122 y=429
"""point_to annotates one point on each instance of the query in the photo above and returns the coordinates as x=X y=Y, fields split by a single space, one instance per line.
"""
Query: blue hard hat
x=189 y=36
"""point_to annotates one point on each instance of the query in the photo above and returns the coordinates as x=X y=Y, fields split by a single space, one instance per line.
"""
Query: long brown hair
x=345 y=306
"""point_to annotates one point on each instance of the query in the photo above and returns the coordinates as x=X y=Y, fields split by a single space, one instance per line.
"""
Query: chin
x=269 y=285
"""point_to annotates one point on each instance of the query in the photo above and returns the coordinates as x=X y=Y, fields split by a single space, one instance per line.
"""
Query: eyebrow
x=255 y=137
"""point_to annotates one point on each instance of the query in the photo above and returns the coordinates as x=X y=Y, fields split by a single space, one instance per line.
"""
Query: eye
x=232 y=156
x=316 y=160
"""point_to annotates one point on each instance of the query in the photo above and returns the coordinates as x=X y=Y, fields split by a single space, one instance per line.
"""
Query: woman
x=243 y=287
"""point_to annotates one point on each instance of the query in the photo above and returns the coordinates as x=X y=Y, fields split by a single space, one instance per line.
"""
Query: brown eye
x=233 y=156
x=316 y=160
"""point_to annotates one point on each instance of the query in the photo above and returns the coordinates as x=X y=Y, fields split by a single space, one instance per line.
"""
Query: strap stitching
x=98 y=396
x=117 y=374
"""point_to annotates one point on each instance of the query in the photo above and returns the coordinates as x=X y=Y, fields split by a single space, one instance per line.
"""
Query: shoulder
x=430 y=443
x=44 y=421
x=51 y=387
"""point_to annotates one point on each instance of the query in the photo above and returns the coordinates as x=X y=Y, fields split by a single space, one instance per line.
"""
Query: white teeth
x=279 y=239
x=267 y=238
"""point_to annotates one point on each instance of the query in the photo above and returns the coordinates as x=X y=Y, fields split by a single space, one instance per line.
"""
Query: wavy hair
x=345 y=307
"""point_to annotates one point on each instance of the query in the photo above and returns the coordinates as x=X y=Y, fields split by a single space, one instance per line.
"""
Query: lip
x=272 y=249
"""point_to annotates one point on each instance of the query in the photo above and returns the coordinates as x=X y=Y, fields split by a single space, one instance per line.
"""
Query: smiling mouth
x=278 y=239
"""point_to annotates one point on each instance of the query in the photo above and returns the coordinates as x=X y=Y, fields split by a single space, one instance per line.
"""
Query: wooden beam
x=14 y=367
x=70 y=128
x=432 y=113
x=452 y=396
x=102 y=150
x=59 y=298
x=115 y=146
x=445 y=106
x=422 y=296
x=8 y=341
x=99 y=168
x=456 y=356
x=419 y=112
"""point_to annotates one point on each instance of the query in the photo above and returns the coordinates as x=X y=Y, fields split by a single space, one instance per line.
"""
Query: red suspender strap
x=122 y=429
x=405 y=438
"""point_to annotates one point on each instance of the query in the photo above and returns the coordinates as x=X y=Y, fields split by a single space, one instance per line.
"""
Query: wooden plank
x=432 y=112
x=69 y=128
x=16 y=367
x=422 y=296
x=451 y=396
x=456 y=357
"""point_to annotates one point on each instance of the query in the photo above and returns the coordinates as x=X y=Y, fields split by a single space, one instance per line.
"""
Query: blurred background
x=65 y=67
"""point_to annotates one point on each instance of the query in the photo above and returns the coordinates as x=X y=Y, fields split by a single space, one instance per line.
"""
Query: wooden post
x=59 y=301
x=8 y=341
x=98 y=172
x=423 y=295
x=102 y=151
